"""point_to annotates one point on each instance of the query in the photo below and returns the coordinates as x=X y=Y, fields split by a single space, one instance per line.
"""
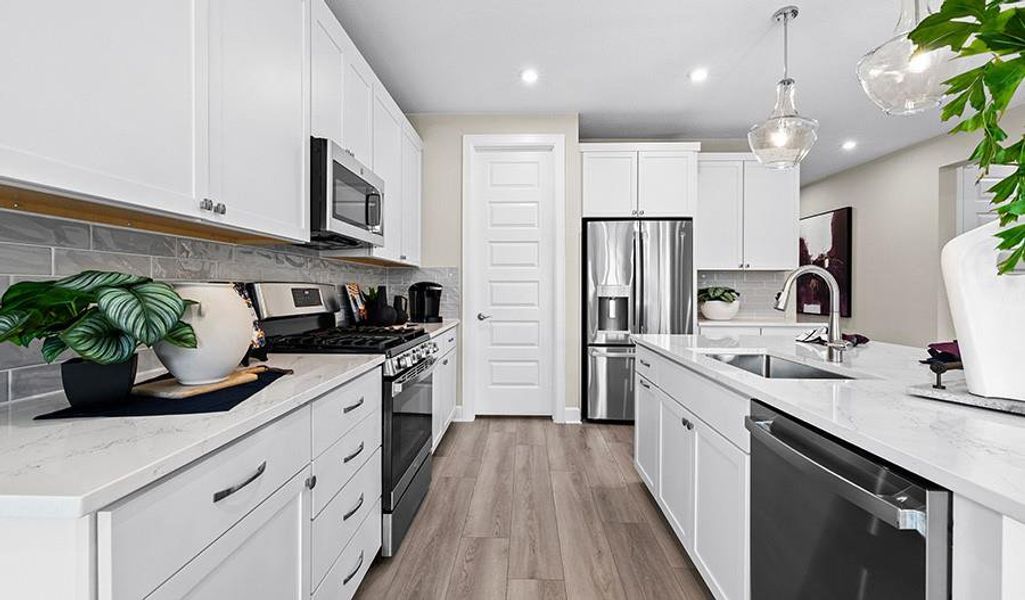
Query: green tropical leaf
x=181 y=335
x=1002 y=79
x=1007 y=34
x=95 y=338
x=53 y=347
x=147 y=310
x=12 y=322
x=91 y=281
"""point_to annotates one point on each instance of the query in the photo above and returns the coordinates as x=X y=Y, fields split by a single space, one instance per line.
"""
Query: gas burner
x=341 y=340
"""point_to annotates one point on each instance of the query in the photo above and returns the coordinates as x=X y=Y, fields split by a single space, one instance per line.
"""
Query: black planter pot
x=91 y=384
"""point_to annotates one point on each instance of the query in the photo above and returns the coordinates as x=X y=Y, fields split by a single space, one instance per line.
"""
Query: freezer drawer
x=610 y=385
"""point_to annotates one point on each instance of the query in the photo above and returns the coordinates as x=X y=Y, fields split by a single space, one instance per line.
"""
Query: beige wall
x=442 y=202
x=903 y=214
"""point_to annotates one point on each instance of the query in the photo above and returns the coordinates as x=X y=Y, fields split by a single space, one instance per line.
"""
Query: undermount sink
x=774 y=367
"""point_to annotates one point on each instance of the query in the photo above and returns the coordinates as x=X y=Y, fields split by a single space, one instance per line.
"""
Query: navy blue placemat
x=148 y=406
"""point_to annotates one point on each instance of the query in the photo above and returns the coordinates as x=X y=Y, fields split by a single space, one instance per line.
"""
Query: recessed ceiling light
x=698 y=75
x=529 y=76
x=849 y=145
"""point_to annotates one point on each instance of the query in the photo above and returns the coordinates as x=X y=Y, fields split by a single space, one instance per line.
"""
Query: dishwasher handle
x=885 y=508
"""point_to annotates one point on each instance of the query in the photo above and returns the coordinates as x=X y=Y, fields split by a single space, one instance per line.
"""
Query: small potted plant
x=101 y=316
x=719 y=303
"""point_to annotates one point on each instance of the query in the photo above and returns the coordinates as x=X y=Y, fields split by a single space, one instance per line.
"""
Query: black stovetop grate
x=341 y=340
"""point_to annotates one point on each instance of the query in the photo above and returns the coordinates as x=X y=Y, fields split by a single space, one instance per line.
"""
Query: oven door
x=407 y=429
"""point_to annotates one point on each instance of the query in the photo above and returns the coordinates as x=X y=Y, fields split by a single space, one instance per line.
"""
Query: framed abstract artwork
x=826 y=241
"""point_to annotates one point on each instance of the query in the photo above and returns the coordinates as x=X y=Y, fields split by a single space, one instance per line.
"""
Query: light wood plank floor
x=525 y=509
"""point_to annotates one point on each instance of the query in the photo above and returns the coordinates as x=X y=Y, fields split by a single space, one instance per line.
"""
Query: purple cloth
x=947 y=348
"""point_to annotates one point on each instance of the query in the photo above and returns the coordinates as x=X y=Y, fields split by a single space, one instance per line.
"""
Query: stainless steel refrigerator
x=639 y=278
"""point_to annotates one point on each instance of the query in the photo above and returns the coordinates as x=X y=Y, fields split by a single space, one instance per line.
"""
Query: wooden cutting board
x=170 y=388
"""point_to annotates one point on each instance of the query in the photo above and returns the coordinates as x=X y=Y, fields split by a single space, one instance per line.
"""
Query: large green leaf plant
x=102 y=316
x=992 y=31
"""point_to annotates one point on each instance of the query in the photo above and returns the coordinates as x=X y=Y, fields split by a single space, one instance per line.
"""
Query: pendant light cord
x=786 y=47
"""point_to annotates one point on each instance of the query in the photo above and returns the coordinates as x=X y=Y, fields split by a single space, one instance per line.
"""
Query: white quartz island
x=979 y=455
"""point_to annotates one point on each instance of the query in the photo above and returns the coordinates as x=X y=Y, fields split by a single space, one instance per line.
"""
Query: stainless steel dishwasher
x=831 y=521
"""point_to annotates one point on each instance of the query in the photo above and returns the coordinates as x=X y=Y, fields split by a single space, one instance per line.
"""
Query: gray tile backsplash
x=757 y=291
x=37 y=247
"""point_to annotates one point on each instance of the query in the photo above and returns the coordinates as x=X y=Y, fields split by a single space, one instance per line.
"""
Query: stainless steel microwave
x=346 y=199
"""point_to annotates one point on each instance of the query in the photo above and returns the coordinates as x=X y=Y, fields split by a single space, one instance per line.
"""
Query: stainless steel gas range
x=300 y=318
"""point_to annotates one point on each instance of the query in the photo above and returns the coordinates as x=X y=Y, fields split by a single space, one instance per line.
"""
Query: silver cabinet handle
x=595 y=353
x=359 y=566
x=221 y=495
x=878 y=506
x=644 y=363
x=645 y=384
x=451 y=339
x=206 y=204
x=483 y=317
x=220 y=209
x=686 y=423
x=354 y=454
x=402 y=256
x=352 y=407
x=444 y=362
x=355 y=509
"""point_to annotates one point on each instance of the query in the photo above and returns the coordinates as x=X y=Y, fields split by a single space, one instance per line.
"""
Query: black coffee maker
x=425 y=302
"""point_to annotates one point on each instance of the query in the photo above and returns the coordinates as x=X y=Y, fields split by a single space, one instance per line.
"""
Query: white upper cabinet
x=609 y=184
x=388 y=137
x=667 y=183
x=747 y=216
x=103 y=100
x=412 y=194
x=358 y=108
x=639 y=180
x=259 y=117
x=329 y=47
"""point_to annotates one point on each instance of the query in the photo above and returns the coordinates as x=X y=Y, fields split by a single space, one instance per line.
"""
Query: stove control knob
x=403 y=362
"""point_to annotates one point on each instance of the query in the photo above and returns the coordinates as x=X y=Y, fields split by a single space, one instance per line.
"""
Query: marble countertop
x=436 y=329
x=976 y=453
x=71 y=467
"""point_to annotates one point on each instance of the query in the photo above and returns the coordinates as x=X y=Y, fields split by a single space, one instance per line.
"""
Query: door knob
x=483 y=317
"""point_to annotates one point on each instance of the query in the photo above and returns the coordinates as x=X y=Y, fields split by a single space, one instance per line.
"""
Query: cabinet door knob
x=686 y=423
x=641 y=212
x=402 y=256
x=220 y=209
x=206 y=204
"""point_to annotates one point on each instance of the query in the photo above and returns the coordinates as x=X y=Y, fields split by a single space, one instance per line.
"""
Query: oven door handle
x=886 y=509
x=419 y=375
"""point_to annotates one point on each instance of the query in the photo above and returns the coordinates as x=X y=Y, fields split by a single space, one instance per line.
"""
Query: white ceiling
x=623 y=65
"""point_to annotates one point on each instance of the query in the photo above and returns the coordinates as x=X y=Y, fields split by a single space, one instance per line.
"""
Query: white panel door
x=510 y=270
x=719 y=224
x=647 y=413
x=358 y=108
x=263 y=557
x=388 y=138
x=328 y=42
x=259 y=115
x=676 y=469
x=106 y=99
x=667 y=184
x=721 y=527
x=974 y=208
x=412 y=187
x=609 y=184
x=771 y=212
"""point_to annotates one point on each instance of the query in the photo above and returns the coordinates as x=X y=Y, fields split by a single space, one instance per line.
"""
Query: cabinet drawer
x=335 y=467
x=647 y=364
x=447 y=341
x=723 y=409
x=335 y=526
x=144 y=539
x=337 y=411
x=351 y=567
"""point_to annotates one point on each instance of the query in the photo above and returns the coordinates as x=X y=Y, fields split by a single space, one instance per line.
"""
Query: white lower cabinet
x=647 y=409
x=690 y=450
x=445 y=387
x=676 y=481
x=263 y=557
x=721 y=529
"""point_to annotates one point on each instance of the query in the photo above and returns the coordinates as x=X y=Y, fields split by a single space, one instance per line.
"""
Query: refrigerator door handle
x=639 y=277
x=635 y=326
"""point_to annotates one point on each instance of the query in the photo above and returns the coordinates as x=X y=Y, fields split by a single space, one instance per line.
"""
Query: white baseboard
x=458 y=415
x=571 y=415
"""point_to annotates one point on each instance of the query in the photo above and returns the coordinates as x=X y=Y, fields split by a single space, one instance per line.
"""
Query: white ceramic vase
x=988 y=312
x=717 y=310
x=223 y=322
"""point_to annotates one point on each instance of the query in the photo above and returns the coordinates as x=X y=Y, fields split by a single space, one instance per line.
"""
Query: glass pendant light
x=782 y=141
x=900 y=79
